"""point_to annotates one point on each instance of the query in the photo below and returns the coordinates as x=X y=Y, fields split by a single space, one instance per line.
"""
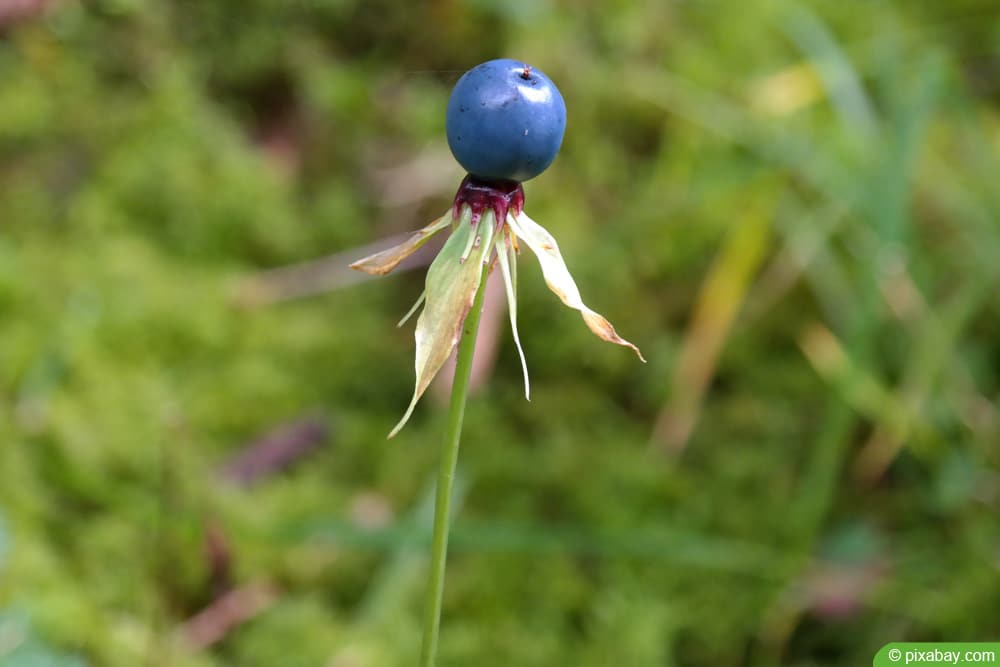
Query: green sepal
x=450 y=289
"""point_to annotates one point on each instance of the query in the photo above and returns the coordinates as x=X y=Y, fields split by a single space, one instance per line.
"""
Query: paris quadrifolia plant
x=505 y=124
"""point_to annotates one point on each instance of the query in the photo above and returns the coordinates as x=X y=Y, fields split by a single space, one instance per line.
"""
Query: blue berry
x=505 y=121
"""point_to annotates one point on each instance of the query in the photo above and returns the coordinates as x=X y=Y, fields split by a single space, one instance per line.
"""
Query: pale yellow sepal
x=558 y=278
x=385 y=261
x=507 y=259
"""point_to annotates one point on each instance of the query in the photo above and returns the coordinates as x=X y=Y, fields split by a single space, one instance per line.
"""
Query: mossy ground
x=794 y=212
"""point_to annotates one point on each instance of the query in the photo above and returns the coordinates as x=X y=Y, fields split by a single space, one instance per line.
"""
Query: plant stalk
x=446 y=476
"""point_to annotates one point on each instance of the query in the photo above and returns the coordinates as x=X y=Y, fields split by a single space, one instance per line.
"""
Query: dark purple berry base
x=482 y=195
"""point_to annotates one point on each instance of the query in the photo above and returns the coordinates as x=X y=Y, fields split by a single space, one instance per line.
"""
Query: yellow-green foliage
x=794 y=212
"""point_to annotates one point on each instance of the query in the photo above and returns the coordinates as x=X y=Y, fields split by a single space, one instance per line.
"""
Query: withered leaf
x=385 y=261
x=558 y=278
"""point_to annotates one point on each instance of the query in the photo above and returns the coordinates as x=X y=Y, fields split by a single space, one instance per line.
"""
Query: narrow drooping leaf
x=385 y=261
x=419 y=302
x=508 y=268
x=450 y=288
x=558 y=278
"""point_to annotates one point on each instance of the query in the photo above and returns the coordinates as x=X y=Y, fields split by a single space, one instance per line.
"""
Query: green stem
x=446 y=477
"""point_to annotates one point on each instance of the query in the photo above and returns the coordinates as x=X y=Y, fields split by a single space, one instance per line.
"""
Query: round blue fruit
x=505 y=121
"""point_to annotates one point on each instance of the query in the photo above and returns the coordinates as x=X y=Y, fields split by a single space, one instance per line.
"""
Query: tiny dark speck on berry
x=513 y=135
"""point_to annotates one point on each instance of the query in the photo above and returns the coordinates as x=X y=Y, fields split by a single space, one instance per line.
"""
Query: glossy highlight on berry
x=505 y=125
x=505 y=121
x=516 y=117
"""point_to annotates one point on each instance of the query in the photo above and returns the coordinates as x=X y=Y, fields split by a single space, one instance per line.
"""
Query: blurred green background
x=793 y=209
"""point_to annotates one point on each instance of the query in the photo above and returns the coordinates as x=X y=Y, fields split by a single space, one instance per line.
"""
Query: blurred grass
x=801 y=198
